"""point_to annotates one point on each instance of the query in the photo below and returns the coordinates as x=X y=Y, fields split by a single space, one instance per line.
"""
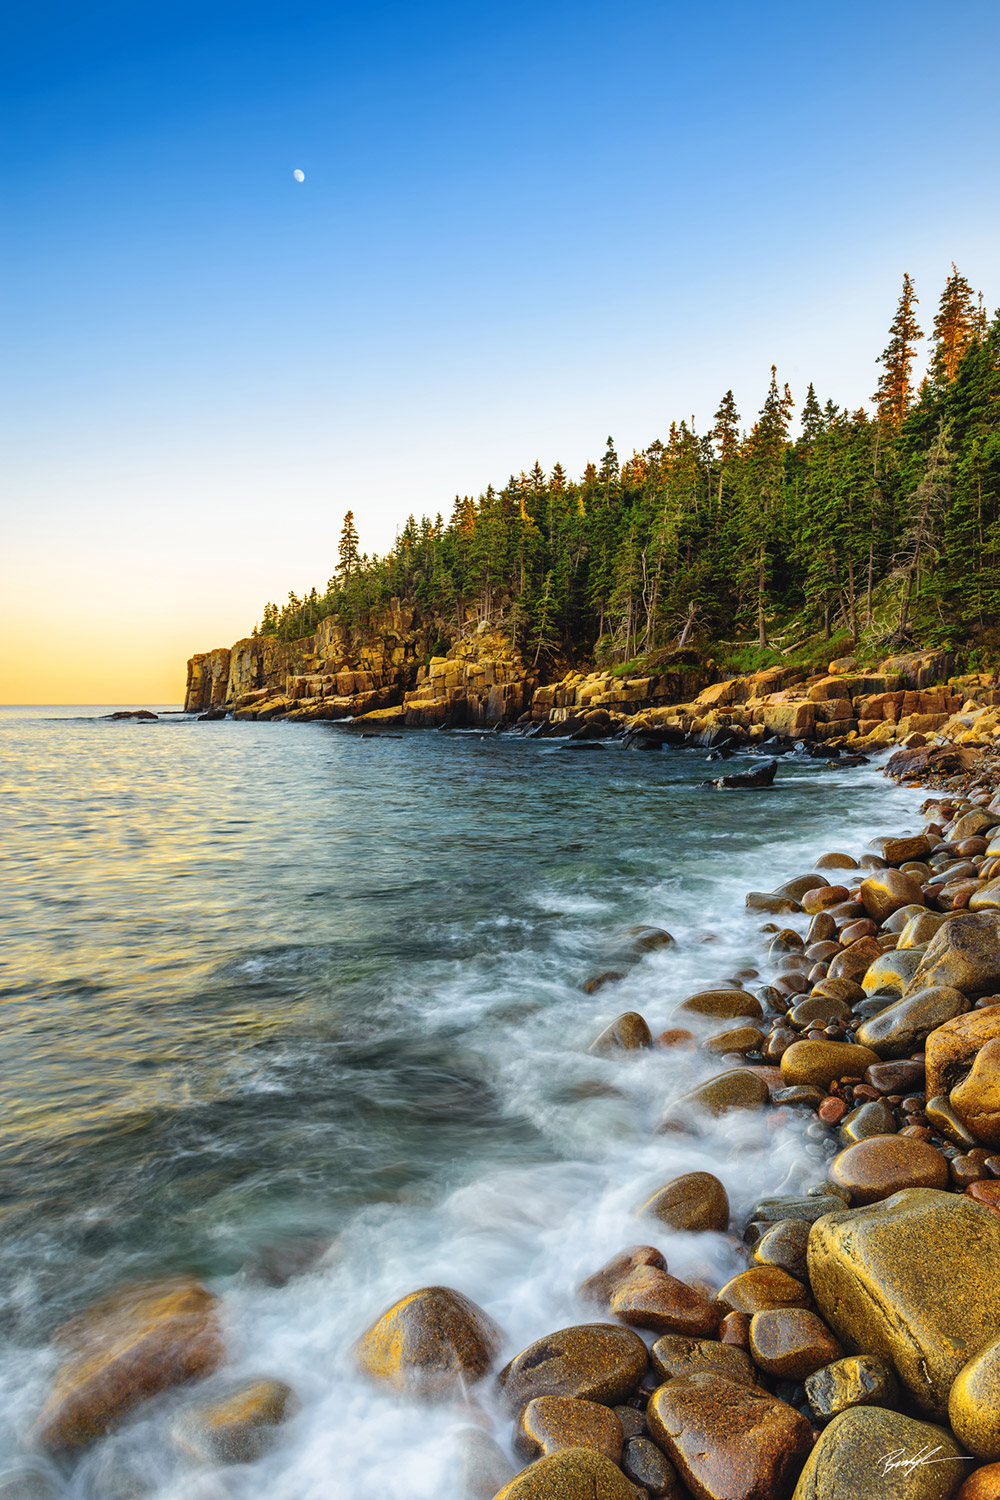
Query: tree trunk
x=761 y=627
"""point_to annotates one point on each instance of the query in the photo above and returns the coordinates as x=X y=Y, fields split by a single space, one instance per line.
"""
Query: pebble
x=872 y=1118
x=821 y=1062
x=644 y=1464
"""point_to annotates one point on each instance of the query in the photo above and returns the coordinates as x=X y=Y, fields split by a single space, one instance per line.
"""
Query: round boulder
x=877 y=1168
x=433 y=1343
x=591 y=1361
x=573 y=1474
x=551 y=1423
x=695 y=1201
x=791 y=1342
x=974 y=1403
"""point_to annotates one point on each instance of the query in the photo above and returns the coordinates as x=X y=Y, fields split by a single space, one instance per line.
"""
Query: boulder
x=433 y=1344
x=648 y=1298
x=134 y=1344
x=237 y=1428
x=858 y=1380
x=760 y=1288
x=591 y=1362
x=976 y=1100
x=886 y=891
x=628 y=1033
x=673 y=1354
x=724 y=1003
x=573 y=1474
x=728 y=1441
x=791 y=1342
x=866 y=1452
x=601 y=1287
x=740 y=1088
x=951 y=1048
x=551 y=1423
x=876 y=1168
x=914 y=1280
x=963 y=954
x=901 y=1029
x=821 y=1062
x=695 y=1201
x=974 y=1402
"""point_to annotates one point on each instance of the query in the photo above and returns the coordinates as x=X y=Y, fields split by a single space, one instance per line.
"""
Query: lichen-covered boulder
x=867 y=1452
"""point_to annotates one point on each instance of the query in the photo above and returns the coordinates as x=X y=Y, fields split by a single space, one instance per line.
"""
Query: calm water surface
x=266 y=984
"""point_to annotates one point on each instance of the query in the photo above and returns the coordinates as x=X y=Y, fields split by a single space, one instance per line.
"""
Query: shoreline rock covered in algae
x=856 y=1352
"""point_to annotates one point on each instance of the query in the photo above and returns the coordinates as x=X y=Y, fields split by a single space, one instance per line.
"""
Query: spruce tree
x=895 y=388
x=347 y=550
x=956 y=324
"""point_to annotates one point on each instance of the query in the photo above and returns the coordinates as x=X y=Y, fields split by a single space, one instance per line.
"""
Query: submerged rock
x=139 y=1341
x=234 y=1429
x=627 y=1033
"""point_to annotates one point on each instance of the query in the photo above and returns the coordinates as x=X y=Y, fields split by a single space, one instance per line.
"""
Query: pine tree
x=813 y=423
x=894 y=396
x=347 y=551
x=955 y=326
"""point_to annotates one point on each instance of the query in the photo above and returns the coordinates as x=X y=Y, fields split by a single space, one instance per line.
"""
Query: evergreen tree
x=956 y=324
x=347 y=550
x=895 y=388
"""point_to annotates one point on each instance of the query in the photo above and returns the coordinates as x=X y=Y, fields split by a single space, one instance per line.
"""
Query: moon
x=299 y=175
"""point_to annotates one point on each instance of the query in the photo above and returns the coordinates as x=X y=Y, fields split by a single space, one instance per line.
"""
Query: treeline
x=881 y=523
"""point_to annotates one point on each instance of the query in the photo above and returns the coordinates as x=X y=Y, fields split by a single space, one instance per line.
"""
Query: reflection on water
x=266 y=984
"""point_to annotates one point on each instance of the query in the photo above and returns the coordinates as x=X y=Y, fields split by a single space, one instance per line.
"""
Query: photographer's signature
x=897 y=1458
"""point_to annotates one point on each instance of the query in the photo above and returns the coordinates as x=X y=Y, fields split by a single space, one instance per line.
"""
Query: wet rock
x=695 y=1201
x=982 y=1484
x=804 y=1094
x=820 y=1063
x=807 y=1207
x=904 y=1026
x=867 y=1120
x=738 y=1089
x=725 y=1003
x=675 y=1355
x=976 y=1100
x=573 y=1474
x=891 y=972
x=137 y=1342
x=979 y=821
x=279 y=1263
x=735 y=1043
x=963 y=954
x=855 y=961
x=432 y=1344
x=784 y=1245
x=986 y=897
x=943 y=1118
x=591 y=1361
x=485 y=1466
x=766 y=902
x=762 y=776
x=836 y=862
x=904 y=1077
x=627 y=1033
x=601 y=981
x=644 y=1464
x=728 y=1441
x=858 y=1380
x=919 y=929
x=549 y=1424
x=601 y=1287
x=914 y=1280
x=819 y=1010
x=237 y=1428
x=648 y=939
x=885 y=891
x=760 y=1288
x=854 y=1458
x=899 y=851
x=653 y=1299
x=952 y=1047
x=791 y=1342
x=974 y=1402
x=877 y=1168
x=798 y=887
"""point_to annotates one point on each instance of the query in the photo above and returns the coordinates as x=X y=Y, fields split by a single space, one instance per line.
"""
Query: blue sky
x=523 y=227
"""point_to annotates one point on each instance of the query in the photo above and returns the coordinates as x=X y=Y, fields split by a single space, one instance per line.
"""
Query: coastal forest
x=802 y=521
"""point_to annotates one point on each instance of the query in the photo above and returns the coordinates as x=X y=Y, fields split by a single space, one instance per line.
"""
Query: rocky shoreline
x=858 y=1350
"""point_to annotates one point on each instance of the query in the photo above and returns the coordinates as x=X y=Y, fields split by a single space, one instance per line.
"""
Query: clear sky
x=523 y=226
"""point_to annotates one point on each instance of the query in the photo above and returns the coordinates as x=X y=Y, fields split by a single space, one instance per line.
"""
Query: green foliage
x=861 y=529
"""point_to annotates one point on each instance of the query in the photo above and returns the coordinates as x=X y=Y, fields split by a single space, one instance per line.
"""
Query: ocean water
x=271 y=990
